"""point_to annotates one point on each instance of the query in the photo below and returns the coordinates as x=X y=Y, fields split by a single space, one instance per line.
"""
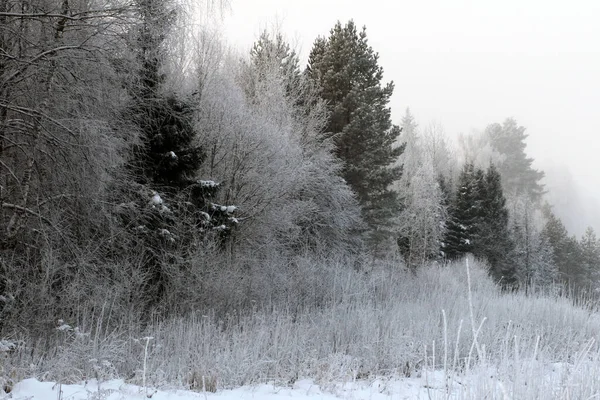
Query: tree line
x=138 y=156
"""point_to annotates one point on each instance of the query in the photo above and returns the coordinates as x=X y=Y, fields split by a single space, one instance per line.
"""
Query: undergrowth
x=357 y=324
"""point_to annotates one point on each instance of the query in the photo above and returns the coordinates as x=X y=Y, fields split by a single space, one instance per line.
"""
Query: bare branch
x=36 y=58
x=80 y=16
x=28 y=211
x=36 y=114
x=10 y=171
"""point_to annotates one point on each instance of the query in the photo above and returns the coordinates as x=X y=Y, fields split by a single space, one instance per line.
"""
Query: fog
x=466 y=64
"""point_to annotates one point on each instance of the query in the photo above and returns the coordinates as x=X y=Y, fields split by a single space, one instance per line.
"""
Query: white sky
x=468 y=63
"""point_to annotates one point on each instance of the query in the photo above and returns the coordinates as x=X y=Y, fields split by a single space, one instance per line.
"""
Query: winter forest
x=176 y=214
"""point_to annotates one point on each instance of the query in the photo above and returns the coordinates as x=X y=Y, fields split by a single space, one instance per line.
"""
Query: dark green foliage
x=168 y=155
x=566 y=252
x=518 y=176
x=346 y=70
x=168 y=211
x=495 y=244
x=155 y=20
x=461 y=233
x=322 y=211
x=478 y=222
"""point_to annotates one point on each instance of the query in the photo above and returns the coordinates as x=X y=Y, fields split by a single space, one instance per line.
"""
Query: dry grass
x=355 y=325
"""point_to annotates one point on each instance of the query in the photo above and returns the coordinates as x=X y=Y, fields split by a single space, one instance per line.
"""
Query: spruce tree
x=494 y=243
x=272 y=51
x=590 y=254
x=167 y=155
x=518 y=175
x=463 y=221
x=412 y=156
x=478 y=222
x=346 y=70
x=566 y=252
x=170 y=209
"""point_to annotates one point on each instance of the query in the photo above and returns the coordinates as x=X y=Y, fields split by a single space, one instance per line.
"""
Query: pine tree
x=518 y=176
x=346 y=69
x=313 y=206
x=168 y=157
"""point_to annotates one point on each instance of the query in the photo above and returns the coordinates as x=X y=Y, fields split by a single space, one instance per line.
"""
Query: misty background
x=466 y=64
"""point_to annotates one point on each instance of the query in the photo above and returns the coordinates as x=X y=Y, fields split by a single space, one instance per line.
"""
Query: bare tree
x=59 y=96
x=263 y=145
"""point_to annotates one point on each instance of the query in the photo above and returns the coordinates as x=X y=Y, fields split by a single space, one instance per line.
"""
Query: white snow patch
x=64 y=327
x=427 y=385
x=156 y=199
x=6 y=345
x=227 y=209
x=208 y=183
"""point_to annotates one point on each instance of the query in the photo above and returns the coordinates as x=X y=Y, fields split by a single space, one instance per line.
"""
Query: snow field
x=549 y=383
x=381 y=334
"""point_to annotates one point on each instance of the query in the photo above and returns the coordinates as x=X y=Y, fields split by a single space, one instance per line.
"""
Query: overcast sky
x=468 y=63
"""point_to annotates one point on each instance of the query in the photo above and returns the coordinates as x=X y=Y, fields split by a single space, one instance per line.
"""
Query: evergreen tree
x=463 y=221
x=565 y=250
x=170 y=208
x=313 y=205
x=411 y=156
x=518 y=176
x=273 y=52
x=590 y=256
x=346 y=69
x=494 y=243
x=167 y=155
x=478 y=222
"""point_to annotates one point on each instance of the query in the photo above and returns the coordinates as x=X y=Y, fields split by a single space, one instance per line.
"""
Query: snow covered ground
x=425 y=387
x=432 y=385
